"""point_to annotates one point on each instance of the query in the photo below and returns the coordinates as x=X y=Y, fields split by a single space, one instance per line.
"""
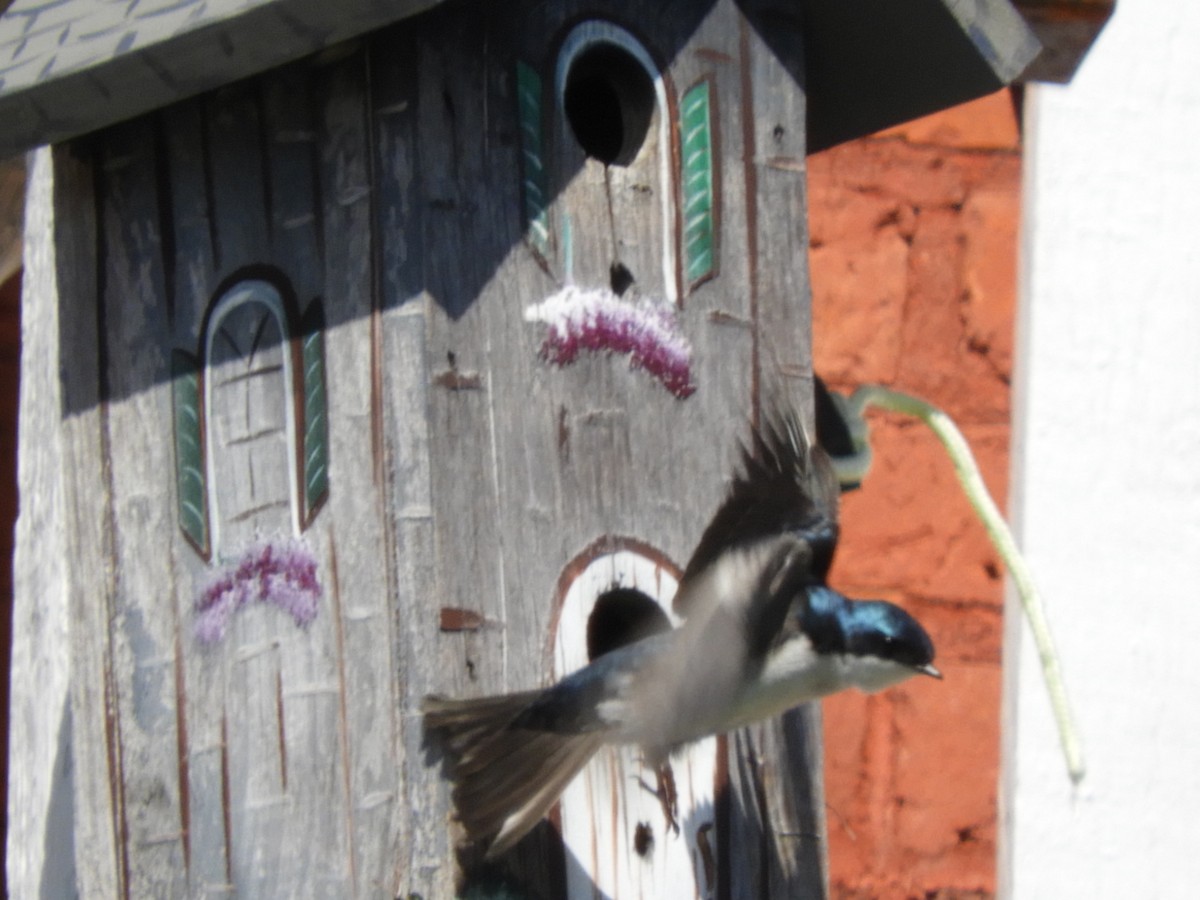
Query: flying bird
x=763 y=633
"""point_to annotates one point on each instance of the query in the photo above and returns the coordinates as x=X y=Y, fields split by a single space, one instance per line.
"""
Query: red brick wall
x=913 y=235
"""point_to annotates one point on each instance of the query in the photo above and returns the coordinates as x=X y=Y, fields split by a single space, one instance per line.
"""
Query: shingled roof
x=68 y=67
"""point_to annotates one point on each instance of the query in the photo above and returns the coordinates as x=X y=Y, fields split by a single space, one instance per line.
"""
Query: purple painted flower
x=598 y=320
x=282 y=573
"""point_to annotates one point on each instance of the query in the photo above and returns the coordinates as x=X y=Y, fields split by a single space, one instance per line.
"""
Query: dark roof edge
x=918 y=57
x=1067 y=30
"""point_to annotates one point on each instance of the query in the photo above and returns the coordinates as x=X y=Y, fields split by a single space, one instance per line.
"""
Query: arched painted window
x=250 y=422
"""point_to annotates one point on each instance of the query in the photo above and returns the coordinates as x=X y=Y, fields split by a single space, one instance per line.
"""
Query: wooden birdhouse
x=385 y=349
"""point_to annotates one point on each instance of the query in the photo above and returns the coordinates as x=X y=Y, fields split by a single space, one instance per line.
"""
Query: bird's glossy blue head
x=866 y=628
x=822 y=619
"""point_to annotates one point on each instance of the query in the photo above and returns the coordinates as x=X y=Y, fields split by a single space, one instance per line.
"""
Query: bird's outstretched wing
x=687 y=692
x=510 y=757
x=773 y=536
x=786 y=485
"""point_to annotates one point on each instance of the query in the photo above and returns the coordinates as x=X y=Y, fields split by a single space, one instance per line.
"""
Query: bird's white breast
x=794 y=673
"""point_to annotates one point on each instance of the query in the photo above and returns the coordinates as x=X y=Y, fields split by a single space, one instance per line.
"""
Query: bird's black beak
x=928 y=669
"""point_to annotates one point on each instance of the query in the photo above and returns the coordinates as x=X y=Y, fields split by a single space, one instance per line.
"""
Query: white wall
x=1107 y=468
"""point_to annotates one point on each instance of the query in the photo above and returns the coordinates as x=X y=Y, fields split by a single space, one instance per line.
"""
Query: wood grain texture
x=464 y=472
x=137 y=469
x=419 y=836
x=40 y=787
x=100 y=863
x=789 y=780
x=273 y=744
x=369 y=705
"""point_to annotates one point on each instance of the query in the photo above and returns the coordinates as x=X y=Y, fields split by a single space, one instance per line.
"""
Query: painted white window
x=251 y=437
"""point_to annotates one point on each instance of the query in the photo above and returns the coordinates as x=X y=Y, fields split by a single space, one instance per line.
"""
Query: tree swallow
x=763 y=633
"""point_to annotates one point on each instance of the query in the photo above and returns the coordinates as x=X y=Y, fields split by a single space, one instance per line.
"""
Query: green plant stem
x=1001 y=536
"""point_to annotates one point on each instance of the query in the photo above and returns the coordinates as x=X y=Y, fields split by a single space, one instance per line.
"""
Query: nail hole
x=619 y=278
x=643 y=839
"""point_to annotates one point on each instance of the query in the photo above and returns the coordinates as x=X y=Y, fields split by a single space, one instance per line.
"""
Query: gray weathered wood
x=772 y=176
x=366 y=640
x=40 y=788
x=469 y=219
x=421 y=842
x=465 y=473
x=592 y=450
x=136 y=466
x=100 y=863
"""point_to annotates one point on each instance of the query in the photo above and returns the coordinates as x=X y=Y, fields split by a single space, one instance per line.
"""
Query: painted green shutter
x=314 y=427
x=190 y=465
x=533 y=169
x=699 y=200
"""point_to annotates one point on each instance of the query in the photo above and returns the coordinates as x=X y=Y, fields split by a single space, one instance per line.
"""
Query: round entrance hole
x=621 y=616
x=609 y=100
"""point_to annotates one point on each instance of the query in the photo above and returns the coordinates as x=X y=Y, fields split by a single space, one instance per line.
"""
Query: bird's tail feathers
x=505 y=777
